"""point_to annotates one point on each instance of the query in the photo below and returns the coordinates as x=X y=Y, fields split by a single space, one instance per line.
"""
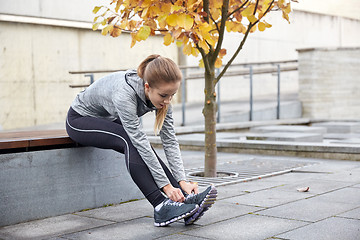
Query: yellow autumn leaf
x=166 y=7
x=218 y=63
x=248 y=11
x=144 y=12
x=252 y=18
x=187 y=49
x=286 y=16
x=115 y=32
x=175 y=8
x=268 y=25
x=261 y=26
x=96 y=9
x=172 y=20
x=222 y=52
x=95 y=26
x=188 y=22
x=215 y=13
x=144 y=32
x=194 y=52
x=287 y=9
x=107 y=29
x=202 y=44
x=167 y=39
x=201 y=63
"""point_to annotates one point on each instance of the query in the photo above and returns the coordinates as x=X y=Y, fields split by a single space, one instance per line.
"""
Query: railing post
x=183 y=96
x=218 y=96
x=251 y=92
x=91 y=75
x=278 y=92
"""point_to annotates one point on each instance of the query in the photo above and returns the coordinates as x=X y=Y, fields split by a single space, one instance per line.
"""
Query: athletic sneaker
x=205 y=200
x=169 y=211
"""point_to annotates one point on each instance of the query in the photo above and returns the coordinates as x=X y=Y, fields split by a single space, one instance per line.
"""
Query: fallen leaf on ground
x=304 y=189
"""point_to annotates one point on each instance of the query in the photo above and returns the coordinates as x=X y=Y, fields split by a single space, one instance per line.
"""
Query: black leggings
x=101 y=133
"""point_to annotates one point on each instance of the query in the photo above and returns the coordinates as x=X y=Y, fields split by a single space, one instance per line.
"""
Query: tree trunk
x=209 y=112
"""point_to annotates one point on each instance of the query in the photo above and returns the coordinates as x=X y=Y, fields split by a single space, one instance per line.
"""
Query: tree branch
x=240 y=46
x=256 y=5
x=224 y=10
x=228 y=16
x=206 y=9
x=216 y=24
x=204 y=58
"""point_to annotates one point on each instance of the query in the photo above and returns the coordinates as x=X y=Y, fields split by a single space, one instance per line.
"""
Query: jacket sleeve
x=171 y=147
x=126 y=107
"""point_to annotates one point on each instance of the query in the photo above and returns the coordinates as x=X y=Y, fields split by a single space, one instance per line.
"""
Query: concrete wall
x=36 y=60
x=40 y=184
x=329 y=83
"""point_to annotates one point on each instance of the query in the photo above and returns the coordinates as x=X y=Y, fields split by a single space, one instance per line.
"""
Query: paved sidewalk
x=267 y=208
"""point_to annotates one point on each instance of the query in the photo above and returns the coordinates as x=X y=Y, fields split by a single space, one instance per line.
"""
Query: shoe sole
x=207 y=203
x=189 y=214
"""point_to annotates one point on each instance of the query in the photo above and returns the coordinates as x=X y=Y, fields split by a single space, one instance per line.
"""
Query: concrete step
x=288 y=128
x=286 y=136
x=339 y=127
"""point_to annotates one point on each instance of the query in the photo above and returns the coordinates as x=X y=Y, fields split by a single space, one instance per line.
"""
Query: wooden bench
x=23 y=141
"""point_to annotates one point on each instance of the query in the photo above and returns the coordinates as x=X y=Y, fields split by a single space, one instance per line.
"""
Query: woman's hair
x=156 y=70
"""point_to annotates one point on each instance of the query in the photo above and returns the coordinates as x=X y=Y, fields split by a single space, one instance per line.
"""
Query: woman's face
x=161 y=95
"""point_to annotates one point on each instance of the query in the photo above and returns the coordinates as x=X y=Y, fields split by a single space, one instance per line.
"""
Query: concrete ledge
x=41 y=184
x=301 y=149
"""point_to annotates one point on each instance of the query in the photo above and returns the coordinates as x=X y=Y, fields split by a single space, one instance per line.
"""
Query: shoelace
x=171 y=202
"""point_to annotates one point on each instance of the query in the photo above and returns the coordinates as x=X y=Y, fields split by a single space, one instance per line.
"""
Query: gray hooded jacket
x=121 y=95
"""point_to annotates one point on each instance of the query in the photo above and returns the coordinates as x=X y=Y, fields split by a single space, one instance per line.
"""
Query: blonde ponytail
x=157 y=70
x=159 y=120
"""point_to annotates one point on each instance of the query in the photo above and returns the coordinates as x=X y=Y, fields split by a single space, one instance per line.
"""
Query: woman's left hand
x=189 y=187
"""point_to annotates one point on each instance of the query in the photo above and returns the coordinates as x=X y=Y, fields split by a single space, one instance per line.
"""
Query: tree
x=198 y=26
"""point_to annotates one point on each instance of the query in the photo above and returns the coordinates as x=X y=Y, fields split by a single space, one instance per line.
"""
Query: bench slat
x=25 y=139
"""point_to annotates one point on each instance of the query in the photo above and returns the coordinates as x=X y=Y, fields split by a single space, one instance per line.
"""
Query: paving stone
x=121 y=212
x=180 y=236
x=50 y=227
x=317 y=186
x=246 y=187
x=339 y=127
x=246 y=227
x=284 y=136
x=345 y=195
x=311 y=210
x=331 y=166
x=266 y=198
x=292 y=177
x=289 y=128
x=355 y=214
x=328 y=229
x=141 y=228
x=222 y=210
x=345 y=176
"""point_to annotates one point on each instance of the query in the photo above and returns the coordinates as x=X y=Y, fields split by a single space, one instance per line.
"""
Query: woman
x=106 y=115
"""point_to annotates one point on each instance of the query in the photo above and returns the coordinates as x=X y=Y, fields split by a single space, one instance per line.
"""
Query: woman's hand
x=189 y=187
x=174 y=194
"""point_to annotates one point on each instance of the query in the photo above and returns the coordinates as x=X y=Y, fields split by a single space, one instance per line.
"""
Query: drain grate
x=247 y=170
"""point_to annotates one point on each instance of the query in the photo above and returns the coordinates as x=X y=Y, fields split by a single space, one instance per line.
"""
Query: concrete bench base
x=39 y=184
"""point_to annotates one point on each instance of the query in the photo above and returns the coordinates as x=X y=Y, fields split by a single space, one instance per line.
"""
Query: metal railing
x=247 y=69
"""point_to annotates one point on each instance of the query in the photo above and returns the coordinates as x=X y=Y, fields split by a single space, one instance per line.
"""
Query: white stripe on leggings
x=110 y=133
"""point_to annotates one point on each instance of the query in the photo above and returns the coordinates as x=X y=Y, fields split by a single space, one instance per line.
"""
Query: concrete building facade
x=42 y=40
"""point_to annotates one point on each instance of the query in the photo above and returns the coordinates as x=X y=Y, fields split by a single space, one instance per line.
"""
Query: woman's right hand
x=174 y=194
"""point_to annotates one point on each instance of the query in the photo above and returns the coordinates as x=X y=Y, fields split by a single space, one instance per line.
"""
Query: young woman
x=106 y=115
